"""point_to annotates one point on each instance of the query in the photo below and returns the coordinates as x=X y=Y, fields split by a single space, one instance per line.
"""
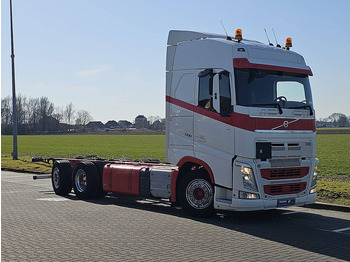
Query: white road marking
x=52 y=199
x=341 y=230
x=291 y=212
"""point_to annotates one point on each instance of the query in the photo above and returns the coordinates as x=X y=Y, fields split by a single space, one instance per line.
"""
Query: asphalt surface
x=38 y=225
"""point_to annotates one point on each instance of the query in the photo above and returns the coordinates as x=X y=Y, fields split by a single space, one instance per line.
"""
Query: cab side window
x=205 y=96
x=214 y=91
x=225 y=93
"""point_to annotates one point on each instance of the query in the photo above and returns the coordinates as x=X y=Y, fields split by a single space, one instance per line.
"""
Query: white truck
x=240 y=132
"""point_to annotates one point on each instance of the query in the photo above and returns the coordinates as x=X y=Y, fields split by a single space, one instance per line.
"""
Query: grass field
x=333 y=151
x=105 y=146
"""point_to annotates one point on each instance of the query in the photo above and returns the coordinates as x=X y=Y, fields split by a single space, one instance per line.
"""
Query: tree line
x=334 y=120
x=39 y=115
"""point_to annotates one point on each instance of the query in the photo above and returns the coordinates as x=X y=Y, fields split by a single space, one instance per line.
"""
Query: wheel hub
x=199 y=193
x=56 y=177
x=80 y=180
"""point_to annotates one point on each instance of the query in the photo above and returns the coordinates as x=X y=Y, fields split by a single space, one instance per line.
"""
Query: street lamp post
x=14 y=105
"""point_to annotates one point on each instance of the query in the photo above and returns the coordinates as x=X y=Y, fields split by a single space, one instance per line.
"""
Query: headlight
x=314 y=181
x=314 y=177
x=248 y=178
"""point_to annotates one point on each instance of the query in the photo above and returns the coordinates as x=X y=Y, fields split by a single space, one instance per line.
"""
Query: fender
x=183 y=161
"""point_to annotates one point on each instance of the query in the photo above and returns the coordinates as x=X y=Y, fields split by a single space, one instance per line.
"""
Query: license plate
x=286 y=202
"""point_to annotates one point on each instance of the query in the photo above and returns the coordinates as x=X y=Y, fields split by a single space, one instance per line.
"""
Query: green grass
x=333 y=191
x=333 y=151
x=105 y=146
x=24 y=163
x=333 y=128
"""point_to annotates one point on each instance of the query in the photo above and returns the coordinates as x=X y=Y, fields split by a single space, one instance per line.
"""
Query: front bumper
x=260 y=204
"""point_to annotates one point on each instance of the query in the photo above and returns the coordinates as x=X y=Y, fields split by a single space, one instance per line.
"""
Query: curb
x=23 y=171
x=327 y=206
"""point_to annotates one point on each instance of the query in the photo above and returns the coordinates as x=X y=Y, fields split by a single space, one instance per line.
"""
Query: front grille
x=284 y=173
x=285 y=189
x=275 y=163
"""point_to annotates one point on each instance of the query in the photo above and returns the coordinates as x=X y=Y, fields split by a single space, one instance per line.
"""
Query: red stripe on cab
x=244 y=63
x=247 y=122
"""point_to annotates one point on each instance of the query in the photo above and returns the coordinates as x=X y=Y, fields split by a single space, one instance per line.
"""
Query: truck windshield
x=267 y=88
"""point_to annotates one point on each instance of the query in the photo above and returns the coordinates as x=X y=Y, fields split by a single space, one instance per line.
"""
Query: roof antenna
x=277 y=44
x=227 y=37
x=268 y=37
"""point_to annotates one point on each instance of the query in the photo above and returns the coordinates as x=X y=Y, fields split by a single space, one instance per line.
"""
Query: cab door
x=213 y=134
x=211 y=123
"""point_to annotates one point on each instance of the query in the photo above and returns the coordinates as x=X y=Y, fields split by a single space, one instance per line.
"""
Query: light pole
x=14 y=105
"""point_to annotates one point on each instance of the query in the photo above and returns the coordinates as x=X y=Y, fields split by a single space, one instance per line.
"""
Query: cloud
x=91 y=72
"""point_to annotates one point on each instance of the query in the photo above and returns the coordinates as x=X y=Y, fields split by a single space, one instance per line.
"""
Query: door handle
x=201 y=139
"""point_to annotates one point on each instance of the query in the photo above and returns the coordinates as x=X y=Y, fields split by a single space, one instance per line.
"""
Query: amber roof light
x=238 y=34
x=288 y=42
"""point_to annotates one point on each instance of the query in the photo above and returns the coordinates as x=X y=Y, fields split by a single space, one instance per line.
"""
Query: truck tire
x=99 y=165
x=61 y=177
x=85 y=180
x=196 y=194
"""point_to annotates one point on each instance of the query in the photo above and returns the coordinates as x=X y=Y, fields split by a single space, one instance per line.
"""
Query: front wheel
x=196 y=194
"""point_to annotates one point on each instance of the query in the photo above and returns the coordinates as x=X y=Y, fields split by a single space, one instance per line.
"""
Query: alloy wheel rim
x=80 y=180
x=199 y=194
x=56 y=177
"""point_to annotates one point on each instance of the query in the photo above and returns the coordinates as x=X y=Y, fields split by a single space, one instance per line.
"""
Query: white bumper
x=260 y=204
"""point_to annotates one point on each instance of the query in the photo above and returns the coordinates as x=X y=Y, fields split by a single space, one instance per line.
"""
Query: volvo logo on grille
x=285 y=124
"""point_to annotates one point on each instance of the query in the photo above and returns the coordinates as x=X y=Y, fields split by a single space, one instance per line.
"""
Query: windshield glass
x=267 y=88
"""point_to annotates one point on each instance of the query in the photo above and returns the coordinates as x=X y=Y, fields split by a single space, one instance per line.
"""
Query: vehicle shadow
x=303 y=230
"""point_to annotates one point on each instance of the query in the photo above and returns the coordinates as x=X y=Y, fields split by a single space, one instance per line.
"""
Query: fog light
x=313 y=190
x=247 y=195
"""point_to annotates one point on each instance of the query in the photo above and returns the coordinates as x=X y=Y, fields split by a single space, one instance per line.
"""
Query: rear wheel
x=61 y=177
x=85 y=180
x=99 y=165
x=196 y=194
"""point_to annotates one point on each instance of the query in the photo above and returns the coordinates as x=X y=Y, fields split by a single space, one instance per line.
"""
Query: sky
x=108 y=56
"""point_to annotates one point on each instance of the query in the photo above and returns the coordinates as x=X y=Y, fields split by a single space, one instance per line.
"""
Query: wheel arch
x=186 y=164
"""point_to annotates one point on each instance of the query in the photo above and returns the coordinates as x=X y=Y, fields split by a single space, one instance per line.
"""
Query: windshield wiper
x=277 y=105
x=305 y=106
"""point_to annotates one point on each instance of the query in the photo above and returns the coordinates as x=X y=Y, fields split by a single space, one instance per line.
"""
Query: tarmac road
x=38 y=225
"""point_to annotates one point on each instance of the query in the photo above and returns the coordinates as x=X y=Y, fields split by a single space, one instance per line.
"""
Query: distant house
x=48 y=124
x=141 y=122
x=111 y=124
x=324 y=124
x=158 y=125
x=95 y=125
x=124 y=124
